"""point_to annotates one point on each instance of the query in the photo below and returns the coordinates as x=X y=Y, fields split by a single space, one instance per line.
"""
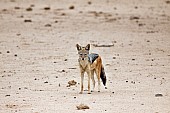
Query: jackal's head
x=83 y=51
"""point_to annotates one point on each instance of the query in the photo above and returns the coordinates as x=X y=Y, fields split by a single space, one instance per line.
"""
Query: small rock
x=82 y=106
x=11 y=106
x=8 y=52
x=47 y=8
x=7 y=95
x=114 y=57
x=168 y=2
x=15 y=55
x=141 y=24
x=133 y=82
x=16 y=7
x=4 y=10
x=71 y=7
x=72 y=68
x=46 y=82
x=63 y=14
x=63 y=70
x=21 y=16
x=48 y=25
x=71 y=83
x=28 y=20
x=32 y=5
x=114 y=41
x=134 y=18
x=158 y=95
x=25 y=88
x=107 y=64
x=29 y=9
x=18 y=34
x=89 y=2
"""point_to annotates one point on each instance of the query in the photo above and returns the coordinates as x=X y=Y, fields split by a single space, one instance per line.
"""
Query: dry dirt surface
x=38 y=55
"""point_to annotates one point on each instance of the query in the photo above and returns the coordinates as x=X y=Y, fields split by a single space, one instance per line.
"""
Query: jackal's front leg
x=82 y=79
x=89 y=76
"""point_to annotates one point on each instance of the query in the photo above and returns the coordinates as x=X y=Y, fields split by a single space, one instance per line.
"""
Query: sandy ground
x=38 y=55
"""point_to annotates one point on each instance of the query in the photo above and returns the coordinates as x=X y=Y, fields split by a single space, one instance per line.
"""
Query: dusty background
x=38 y=55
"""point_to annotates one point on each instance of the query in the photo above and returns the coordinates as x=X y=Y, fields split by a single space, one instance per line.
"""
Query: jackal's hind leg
x=98 y=78
x=92 y=77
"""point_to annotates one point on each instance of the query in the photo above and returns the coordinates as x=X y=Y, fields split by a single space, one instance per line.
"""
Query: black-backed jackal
x=90 y=63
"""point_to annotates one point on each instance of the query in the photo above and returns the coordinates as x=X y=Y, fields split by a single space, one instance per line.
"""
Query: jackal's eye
x=81 y=54
x=85 y=54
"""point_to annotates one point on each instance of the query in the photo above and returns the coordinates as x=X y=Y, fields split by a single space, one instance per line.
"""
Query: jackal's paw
x=81 y=92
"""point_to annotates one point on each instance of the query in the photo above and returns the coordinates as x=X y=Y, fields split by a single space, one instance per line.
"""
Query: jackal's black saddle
x=92 y=57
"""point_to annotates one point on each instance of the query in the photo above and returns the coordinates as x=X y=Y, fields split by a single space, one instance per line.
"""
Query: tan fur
x=90 y=69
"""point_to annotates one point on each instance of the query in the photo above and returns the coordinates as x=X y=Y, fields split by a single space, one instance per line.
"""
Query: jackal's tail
x=103 y=76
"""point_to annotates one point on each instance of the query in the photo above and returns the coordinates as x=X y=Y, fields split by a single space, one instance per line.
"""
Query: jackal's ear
x=87 y=47
x=78 y=47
